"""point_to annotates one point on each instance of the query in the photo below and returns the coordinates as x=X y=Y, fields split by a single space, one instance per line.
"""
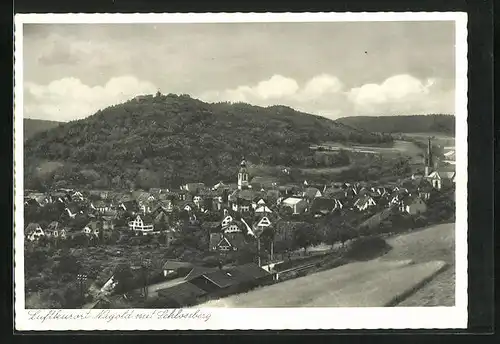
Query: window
x=245 y=208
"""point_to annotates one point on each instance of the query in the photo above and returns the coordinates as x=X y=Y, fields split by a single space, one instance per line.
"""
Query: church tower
x=429 y=160
x=243 y=175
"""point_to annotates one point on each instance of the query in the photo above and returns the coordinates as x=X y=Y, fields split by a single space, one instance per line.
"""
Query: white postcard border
x=250 y=318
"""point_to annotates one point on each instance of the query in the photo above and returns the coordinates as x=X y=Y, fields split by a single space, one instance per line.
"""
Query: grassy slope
x=365 y=283
x=435 y=243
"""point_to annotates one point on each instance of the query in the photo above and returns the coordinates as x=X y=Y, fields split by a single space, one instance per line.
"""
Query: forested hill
x=403 y=124
x=165 y=140
x=33 y=126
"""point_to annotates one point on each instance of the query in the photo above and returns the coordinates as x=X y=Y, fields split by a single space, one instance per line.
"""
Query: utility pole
x=146 y=265
x=82 y=278
x=258 y=251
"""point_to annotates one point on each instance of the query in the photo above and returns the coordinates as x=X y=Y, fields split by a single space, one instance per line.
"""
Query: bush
x=367 y=248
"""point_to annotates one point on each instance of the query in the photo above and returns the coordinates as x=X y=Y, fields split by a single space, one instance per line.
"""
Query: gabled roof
x=221 y=278
x=54 y=225
x=323 y=204
x=363 y=199
x=176 y=264
x=263 y=209
x=198 y=271
x=181 y=292
x=264 y=222
x=252 y=270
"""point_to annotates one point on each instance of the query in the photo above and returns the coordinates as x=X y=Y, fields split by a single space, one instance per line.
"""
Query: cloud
x=68 y=98
x=276 y=89
x=325 y=95
x=402 y=94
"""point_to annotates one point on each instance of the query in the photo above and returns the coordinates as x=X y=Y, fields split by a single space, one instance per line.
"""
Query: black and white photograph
x=191 y=167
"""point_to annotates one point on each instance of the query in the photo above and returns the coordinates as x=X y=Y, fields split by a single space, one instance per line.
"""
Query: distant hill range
x=167 y=140
x=33 y=126
x=435 y=123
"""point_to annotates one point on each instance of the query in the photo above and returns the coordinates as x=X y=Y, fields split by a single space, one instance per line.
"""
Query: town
x=176 y=248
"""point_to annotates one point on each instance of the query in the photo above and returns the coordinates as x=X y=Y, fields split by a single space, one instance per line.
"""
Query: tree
x=305 y=235
x=124 y=278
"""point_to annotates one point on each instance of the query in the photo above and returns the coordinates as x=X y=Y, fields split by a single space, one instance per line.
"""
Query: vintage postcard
x=240 y=171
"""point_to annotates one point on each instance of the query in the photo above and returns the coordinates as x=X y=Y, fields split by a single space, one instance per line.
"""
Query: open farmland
x=416 y=260
x=399 y=147
x=440 y=139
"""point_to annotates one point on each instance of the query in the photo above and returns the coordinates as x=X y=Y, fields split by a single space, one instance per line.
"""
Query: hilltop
x=166 y=140
x=435 y=123
x=33 y=126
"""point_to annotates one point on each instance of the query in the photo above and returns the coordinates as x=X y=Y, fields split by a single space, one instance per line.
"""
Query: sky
x=332 y=69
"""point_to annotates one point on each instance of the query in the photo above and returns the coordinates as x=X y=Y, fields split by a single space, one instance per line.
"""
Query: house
x=219 y=186
x=93 y=228
x=298 y=205
x=225 y=282
x=440 y=179
x=141 y=224
x=261 y=225
x=413 y=205
x=198 y=201
x=262 y=208
x=181 y=295
x=53 y=229
x=193 y=188
x=100 y=206
x=233 y=227
x=424 y=189
x=161 y=218
x=364 y=202
x=72 y=210
x=187 y=206
x=177 y=267
x=226 y=242
x=77 y=196
x=241 y=200
x=130 y=206
x=34 y=232
x=322 y=206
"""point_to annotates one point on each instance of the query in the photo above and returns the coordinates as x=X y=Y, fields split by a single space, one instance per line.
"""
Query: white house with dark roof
x=438 y=179
x=298 y=205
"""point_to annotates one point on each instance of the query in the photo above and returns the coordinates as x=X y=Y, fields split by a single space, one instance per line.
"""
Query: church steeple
x=243 y=175
x=429 y=160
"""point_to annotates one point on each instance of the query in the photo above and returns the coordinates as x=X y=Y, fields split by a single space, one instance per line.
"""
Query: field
x=424 y=258
x=437 y=242
x=440 y=139
x=399 y=147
